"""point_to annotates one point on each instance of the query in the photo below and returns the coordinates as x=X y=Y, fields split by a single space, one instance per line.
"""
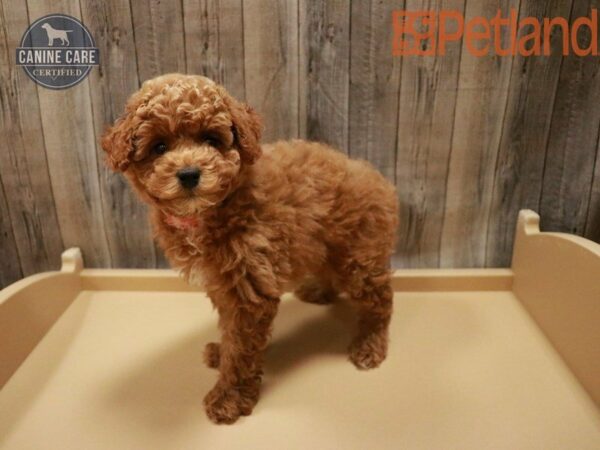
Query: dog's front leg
x=246 y=326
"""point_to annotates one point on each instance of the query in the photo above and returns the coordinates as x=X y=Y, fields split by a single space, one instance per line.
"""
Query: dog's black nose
x=189 y=177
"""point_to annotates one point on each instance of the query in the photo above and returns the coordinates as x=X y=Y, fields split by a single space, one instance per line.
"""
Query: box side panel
x=27 y=311
x=557 y=278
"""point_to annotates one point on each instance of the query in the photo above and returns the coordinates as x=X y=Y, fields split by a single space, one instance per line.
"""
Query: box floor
x=124 y=370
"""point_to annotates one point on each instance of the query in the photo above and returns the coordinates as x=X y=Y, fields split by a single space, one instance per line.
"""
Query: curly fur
x=261 y=218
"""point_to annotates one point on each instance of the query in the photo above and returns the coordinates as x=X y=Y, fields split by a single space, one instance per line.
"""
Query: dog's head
x=183 y=142
x=45 y=26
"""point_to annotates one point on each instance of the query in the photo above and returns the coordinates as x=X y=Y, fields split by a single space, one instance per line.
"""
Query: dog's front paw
x=212 y=355
x=368 y=352
x=225 y=404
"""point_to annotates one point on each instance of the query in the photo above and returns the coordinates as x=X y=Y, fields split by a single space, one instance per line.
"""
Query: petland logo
x=426 y=33
x=57 y=51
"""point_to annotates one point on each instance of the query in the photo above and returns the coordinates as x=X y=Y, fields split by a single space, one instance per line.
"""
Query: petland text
x=427 y=33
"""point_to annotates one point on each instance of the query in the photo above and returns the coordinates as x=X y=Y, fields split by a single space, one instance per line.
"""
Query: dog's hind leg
x=370 y=291
x=212 y=355
x=316 y=290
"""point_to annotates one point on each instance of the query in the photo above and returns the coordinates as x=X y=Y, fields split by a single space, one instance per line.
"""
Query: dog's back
x=345 y=204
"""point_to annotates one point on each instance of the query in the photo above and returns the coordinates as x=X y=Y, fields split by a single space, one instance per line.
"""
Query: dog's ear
x=117 y=142
x=247 y=129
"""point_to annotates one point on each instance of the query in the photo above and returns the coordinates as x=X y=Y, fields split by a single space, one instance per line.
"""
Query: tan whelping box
x=479 y=359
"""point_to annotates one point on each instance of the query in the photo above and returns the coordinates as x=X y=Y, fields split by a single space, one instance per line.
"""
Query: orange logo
x=427 y=33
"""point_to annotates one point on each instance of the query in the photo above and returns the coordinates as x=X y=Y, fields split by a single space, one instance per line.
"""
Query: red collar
x=184 y=223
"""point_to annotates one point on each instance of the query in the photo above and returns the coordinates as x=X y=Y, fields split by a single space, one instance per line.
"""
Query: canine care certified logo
x=57 y=51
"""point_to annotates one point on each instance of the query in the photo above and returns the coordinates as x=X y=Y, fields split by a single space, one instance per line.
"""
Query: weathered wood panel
x=592 y=229
x=125 y=217
x=69 y=136
x=573 y=139
x=425 y=126
x=271 y=64
x=480 y=105
x=374 y=86
x=520 y=167
x=23 y=166
x=159 y=37
x=325 y=37
x=10 y=264
x=467 y=140
x=214 y=42
x=303 y=68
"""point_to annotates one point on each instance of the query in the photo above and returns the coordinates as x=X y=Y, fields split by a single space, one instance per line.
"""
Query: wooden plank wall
x=467 y=140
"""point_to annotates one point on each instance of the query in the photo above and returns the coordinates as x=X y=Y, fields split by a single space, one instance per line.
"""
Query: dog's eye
x=212 y=141
x=159 y=148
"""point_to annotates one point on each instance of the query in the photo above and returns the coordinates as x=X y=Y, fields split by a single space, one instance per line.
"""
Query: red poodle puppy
x=248 y=220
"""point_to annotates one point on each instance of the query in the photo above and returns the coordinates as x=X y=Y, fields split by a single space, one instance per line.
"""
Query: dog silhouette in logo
x=56 y=34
